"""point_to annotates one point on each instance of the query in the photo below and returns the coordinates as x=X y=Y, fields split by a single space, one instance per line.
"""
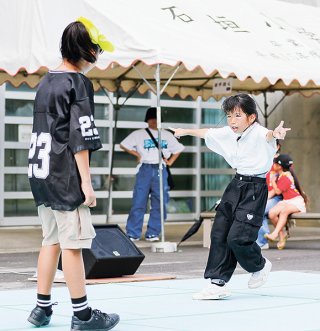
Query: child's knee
x=272 y=214
x=284 y=213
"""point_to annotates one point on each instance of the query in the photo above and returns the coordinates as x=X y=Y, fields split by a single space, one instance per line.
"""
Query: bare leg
x=278 y=216
x=284 y=210
x=282 y=235
x=283 y=217
x=73 y=270
x=274 y=219
x=47 y=267
x=282 y=220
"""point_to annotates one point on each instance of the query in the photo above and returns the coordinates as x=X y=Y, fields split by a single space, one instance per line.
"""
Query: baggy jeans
x=147 y=183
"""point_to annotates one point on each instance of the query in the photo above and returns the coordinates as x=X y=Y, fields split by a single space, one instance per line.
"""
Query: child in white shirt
x=249 y=148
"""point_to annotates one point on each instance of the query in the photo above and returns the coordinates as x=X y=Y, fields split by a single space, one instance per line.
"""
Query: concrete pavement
x=28 y=239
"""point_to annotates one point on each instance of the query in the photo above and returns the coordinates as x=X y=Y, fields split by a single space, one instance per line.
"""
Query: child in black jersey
x=63 y=136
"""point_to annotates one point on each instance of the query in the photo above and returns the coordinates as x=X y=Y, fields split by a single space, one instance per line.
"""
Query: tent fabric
x=259 y=45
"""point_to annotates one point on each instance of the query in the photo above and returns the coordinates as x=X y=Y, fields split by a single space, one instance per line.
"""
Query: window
x=195 y=176
x=217 y=181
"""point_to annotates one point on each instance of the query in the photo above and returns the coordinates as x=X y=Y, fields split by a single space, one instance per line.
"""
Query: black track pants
x=235 y=229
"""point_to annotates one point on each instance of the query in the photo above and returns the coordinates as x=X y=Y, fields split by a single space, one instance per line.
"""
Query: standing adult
x=63 y=136
x=248 y=147
x=141 y=145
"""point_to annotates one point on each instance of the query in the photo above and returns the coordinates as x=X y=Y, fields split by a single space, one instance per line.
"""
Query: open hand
x=178 y=132
x=280 y=132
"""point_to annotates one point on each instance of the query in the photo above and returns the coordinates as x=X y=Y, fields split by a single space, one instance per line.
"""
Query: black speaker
x=112 y=254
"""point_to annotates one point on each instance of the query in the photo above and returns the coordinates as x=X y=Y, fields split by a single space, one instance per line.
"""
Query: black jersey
x=63 y=125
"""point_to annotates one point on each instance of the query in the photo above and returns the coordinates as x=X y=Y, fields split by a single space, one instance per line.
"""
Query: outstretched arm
x=189 y=132
x=278 y=133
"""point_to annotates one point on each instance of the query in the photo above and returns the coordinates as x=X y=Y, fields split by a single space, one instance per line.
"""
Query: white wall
x=302 y=115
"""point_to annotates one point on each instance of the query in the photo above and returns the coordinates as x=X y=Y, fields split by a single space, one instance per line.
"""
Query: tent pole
x=170 y=78
x=157 y=77
x=116 y=108
x=278 y=103
x=265 y=112
x=265 y=115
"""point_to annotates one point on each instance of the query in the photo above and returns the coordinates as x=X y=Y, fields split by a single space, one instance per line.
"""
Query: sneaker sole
x=257 y=285
x=212 y=297
x=254 y=286
x=111 y=327
x=37 y=323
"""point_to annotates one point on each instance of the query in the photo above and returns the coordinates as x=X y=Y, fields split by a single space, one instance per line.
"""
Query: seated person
x=294 y=199
x=273 y=199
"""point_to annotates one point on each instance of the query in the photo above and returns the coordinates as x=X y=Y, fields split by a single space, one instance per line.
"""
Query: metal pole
x=265 y=109
x=160 y=156
x=116 y=108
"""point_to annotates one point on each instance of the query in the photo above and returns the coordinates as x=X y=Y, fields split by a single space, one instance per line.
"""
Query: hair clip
x=95 y=35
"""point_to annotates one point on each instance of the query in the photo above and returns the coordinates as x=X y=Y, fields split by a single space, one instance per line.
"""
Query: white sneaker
x=152 y=238
x=134 y=239
x=259 y=278
x=212 y=292
x=265 y=246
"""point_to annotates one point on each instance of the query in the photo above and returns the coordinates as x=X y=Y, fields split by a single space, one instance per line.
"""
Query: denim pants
x=147 y=183
x=265 y=228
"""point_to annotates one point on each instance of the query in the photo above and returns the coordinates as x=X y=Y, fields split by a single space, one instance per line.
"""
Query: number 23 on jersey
x=43 y=142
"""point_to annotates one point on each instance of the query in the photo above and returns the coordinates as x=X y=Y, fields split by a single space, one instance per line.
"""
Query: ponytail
x=298 y=186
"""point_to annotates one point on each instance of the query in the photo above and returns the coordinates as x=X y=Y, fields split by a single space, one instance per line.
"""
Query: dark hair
x=76 y=44
x=278 y=144
x=286 y=163
x=240 y=101
x=151 y=114
x=298 y=186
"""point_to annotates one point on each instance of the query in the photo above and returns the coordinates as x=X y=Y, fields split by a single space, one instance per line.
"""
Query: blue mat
x=290 y=301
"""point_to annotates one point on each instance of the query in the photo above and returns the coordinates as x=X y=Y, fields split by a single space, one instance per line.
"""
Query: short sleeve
x=83 y=132
x=284 y=183
x=174 y=146
x=217 y=139
x=130 y=142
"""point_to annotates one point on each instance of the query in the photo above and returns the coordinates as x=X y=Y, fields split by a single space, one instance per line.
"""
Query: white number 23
x=44 y=142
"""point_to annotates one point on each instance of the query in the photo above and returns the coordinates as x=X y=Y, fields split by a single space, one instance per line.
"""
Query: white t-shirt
x=251 y=154
x=141 y=142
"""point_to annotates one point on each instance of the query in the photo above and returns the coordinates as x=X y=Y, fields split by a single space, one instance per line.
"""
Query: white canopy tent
x=185 y=47
x=261 y=45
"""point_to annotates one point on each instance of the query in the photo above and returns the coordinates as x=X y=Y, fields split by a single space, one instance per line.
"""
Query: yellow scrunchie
x=96 y=36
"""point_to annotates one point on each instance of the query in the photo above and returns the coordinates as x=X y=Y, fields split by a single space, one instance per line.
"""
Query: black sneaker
x=38 y=317
x=99 y=321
